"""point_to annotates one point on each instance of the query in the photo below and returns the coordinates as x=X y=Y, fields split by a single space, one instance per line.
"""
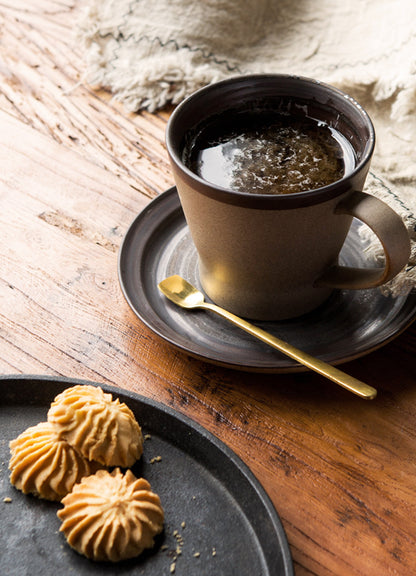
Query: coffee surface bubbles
x=269 y=153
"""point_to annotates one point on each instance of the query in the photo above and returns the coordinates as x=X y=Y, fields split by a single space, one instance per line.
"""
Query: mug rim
x=351 y=180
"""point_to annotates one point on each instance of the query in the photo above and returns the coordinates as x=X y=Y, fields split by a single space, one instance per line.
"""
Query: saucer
x=349 y=325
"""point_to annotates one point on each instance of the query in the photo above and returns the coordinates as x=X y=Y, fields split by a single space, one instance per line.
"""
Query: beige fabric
x=150 y=53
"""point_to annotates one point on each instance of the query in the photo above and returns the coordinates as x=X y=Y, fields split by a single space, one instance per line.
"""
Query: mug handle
x=390 y=230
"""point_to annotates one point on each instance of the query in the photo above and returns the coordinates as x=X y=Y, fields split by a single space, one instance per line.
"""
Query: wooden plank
x=42 y=85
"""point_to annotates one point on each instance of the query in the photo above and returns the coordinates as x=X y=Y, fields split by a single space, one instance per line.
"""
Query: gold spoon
x=179 y=291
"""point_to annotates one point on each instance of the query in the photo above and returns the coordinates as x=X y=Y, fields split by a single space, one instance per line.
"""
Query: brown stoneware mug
x=270 y=256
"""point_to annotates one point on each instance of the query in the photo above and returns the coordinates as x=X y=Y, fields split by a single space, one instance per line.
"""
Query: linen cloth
x=150 y=53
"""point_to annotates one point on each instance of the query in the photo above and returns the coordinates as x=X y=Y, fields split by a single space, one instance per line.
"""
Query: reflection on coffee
x=269 y=153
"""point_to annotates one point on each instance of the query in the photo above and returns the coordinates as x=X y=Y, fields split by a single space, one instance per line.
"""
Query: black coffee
x=269 y=153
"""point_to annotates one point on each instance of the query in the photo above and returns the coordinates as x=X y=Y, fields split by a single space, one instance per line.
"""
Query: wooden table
x=75 y=171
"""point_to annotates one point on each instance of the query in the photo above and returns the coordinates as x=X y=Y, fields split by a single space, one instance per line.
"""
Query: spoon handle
x=345 y=380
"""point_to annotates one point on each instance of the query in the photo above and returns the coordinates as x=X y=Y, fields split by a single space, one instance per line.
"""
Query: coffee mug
x=273 y=254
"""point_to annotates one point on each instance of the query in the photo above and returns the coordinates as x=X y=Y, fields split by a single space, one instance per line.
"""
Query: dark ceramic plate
x=226 y=523
x=349 y=325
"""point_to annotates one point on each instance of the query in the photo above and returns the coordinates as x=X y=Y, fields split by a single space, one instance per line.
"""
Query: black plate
x=349 y=325
x=200 y=481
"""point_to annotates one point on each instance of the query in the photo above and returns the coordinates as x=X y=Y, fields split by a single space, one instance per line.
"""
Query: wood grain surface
x=76 y=168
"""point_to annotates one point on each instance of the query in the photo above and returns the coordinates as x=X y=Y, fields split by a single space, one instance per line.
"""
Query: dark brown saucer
x=349 y=325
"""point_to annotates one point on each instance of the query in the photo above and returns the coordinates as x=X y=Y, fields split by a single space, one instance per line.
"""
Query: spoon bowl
x=181 y=292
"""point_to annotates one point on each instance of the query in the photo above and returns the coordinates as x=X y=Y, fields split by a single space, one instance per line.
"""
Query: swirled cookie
x=111 y=516
x=100 y=428
x=43 y=464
